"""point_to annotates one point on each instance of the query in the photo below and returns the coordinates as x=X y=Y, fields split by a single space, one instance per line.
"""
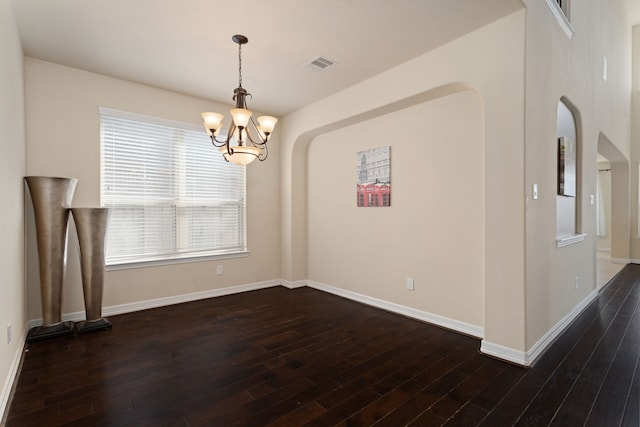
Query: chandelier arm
x=218 y=143
x=232 y=130
x=262 y=140
x=265 y=151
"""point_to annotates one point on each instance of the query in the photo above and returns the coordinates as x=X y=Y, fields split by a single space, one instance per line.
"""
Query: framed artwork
x=373 y=177
x=566 y=167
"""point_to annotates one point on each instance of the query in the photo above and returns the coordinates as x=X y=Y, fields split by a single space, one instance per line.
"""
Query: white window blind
x=171 y=194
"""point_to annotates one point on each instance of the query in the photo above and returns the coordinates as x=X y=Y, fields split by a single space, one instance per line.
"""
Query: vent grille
x=320 y=63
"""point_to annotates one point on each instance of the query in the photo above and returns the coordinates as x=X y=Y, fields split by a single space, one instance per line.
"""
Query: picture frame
x=373 y=177
x=566 y=167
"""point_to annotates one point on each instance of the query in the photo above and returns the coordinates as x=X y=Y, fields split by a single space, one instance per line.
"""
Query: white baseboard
x=504 y=353
x=5 y=392
x=445 y=322
x=515 y=356
x=161 y=302
x=624 y=261
x=293 y=285
x=529 y=357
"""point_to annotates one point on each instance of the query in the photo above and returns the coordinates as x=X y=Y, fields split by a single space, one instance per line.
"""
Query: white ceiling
x=186 y=45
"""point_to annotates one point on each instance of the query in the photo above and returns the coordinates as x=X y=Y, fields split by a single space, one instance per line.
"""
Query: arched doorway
x=612 y=204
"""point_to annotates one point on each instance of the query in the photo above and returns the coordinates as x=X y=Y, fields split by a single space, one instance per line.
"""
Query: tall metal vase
x=51 y=198
x=91 y=225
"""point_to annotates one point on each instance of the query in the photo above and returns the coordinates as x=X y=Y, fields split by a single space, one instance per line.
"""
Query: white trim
x=445 y=322
x=547 y=339
x=489 y=348
x=624 y=260
x=566 y=241
x=504 y=353
x=161 y=302
x=12 y=375
x=293 y=285
x=561 y=18
x=529 y=357
x=176 y=260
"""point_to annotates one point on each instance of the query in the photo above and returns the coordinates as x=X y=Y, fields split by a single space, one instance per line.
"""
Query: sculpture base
x=45 y=332
x=93 y=325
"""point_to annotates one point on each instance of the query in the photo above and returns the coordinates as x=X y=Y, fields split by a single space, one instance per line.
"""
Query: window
x=567 y=147
x=564 y=7
x=562 y=12
x=171 y=194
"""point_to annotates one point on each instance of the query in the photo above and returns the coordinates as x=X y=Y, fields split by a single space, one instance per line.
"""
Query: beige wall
x=604 y=242
x=635 y=146
x=12 y=168
x=559 y=67
x=63 y=140
x=489 y=61
x=434 y=230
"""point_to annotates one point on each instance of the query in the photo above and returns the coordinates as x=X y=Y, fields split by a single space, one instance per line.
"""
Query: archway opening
x=612 y=204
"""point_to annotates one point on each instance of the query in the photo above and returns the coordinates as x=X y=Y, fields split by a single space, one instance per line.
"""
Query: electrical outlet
x=410 y=284
x=576 y=282
x=9 y=337
x=219 y=270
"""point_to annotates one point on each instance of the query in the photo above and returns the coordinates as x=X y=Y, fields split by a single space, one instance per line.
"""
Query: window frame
x=562 y=15
x=178 y=256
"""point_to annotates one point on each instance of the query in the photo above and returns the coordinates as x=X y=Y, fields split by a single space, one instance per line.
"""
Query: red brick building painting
x=373 y=169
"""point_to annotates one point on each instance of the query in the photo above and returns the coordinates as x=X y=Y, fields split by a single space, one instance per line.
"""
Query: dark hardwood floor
x=303 y=357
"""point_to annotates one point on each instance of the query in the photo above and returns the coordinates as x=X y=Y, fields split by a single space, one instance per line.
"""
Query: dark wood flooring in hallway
x=303 y=357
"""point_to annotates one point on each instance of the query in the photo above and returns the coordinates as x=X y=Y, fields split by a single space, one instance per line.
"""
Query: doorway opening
x=612 y=219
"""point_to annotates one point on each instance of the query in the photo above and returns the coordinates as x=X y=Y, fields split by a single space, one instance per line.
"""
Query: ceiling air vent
x=320 y=63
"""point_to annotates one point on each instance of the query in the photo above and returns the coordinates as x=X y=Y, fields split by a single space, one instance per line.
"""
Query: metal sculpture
x=91 y=225
x=51 y=198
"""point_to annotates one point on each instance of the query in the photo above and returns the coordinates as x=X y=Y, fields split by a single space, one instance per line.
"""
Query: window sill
x=566 y=241
x=171 y=261
x=561 y=18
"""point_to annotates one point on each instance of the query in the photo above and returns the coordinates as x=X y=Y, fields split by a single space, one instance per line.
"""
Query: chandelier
x=239 y=146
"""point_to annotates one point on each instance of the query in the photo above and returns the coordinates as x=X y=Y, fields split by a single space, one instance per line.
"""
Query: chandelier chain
x=240 y=64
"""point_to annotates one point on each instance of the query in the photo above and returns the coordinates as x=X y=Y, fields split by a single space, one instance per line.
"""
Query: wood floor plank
x=607 y=410
x=631 y=417
x=469 y=415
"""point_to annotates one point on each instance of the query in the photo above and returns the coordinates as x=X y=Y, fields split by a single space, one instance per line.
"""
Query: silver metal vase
x=91 y=225
x=51 y=198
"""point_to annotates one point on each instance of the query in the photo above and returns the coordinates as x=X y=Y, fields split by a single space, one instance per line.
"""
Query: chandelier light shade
x=245 y=140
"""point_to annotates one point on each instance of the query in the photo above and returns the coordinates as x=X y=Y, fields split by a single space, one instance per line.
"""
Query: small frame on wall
x=566 y=167
x=373 y=176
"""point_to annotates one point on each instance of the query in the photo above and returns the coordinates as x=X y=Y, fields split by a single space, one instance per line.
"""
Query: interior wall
x=635 y=146
x=63 y=139
x=491 y=62
x=433 y=231
x=559 y=67
x=604 y=177
x=12 y=169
